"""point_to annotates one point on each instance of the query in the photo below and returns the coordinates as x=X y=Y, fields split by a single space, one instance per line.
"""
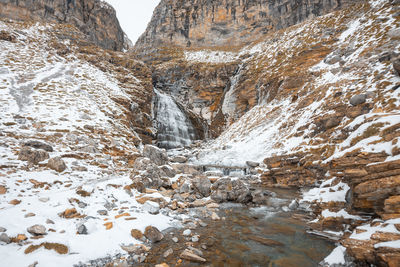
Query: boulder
x=5 y=238
x=203 y=185
x=179 y=159
x=39 y=145
x=252 y=164
x=358 y=99
x=153 y=234
x=37 y=229
x=141 y=163
x=32 y=156
x=155 y=154
x=151 y=207
x=226 y=189
x=57 y=164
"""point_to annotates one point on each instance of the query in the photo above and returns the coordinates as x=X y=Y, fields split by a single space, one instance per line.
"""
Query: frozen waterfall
x=174 y=128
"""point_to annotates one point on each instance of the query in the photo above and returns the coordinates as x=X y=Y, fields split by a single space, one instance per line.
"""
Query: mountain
x=95 y=18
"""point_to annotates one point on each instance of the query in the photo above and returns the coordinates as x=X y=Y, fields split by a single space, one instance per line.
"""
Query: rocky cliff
x=205 y=23
x=94 y=18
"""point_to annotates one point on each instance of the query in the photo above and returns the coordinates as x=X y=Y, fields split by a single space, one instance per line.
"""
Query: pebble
x=82 y=230
x=187 y=232
x=202 y=224
x=44 y=199
x=175 y=239
x=189 y=255
x=102 y=212
x=30 y=214
x=195 y=238
x=4 y=238
x=37 y=229
x=168 y=252
x=215 y=217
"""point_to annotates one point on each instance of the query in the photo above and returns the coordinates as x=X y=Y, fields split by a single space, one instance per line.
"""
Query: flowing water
x=250 y=236
x=174 y=128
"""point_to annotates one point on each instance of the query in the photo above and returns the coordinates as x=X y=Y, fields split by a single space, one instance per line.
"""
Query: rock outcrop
x=94 y=18
x=205 y=23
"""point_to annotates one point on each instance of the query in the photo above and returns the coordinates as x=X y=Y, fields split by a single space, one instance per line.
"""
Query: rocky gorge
x=281 y=120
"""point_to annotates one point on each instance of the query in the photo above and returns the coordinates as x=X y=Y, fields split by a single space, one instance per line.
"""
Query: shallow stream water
x=249 y=236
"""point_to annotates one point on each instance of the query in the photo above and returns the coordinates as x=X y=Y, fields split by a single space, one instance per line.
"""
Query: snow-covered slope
x=49 y=92
x=319 y=66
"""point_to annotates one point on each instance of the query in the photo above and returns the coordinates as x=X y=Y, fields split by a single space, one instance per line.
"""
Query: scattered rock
x=39 y=145
x=162 y=265
x=21 y=237
x=187 y=232
x=167 y=171
x=2 y=229
x=57 y=164
x=59 y=248
x=226 y=190
x=167 y=253
x=179 y=159
x=396 y=65
x=5 y=238
x=155 y=154
x=34 y=264
x=212 y=206
x=252 y=164
x=195 y=238
x=37 y=229
x=48 y=221
x=14 y=202
x=153 y=234
x=332 y=122
x=260 y=196
x=30 y=214
x=151 y=207
x=32 y=156
x=190 y=256
x=3 y=190
x=137 y=234
x=5 y=36
x=136 y=249
x=358 y=99
x=82 y=230
x=102 y=212
x=175 y=239
x=44 y=199
x=203 y=185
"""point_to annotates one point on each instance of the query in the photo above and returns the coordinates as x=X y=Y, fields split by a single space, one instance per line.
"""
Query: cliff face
x=205 y=23
x=94 y=18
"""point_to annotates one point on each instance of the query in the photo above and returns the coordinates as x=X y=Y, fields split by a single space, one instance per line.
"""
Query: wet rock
x=37 y=229
x=153 y=234
x=187 y=232
x=39 y=145
x=32 y=156
x=203 y=185
x=358 y=99
x=155 y=154
x=252 y=164
x=136 y=249
x=179 y=159
x=175 y=239
x=167 y=253
x=215 y=217
x=151 y=207
x=82 y=230
x=190 y=256
x=195 y=238
x=226 y=189
x=5 y=238
x=294 y=204
x=260 y=196
x=57 y=164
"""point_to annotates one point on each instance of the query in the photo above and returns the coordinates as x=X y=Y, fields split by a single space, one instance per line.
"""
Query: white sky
x=134 y=15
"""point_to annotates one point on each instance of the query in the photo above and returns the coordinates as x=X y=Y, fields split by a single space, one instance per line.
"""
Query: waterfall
x=174 y=128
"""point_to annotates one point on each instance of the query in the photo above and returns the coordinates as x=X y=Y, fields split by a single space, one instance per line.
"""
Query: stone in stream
x=187 y=232
x=167 y=253
x=195 y=238
x=175 y=239
x=294 y=204
x=190 y=256
x=215 y=217
x=37 y=229
x=226 y=189
x=153 y=234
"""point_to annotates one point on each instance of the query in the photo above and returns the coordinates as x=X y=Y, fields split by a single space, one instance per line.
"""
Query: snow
x=386 y=227
x=336 y=256
x=323 y=192
x=209 y=56
x=388 y=244
x=342 y=213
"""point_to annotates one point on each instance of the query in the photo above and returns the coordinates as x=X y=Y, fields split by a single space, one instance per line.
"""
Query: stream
x=248 y=236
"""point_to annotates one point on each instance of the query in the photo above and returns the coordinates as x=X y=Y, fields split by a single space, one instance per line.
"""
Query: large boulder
x=203 y=185
x=155 y=154
x=39 y=145
x=32 y=156
x=226 y=189
x=358 y=99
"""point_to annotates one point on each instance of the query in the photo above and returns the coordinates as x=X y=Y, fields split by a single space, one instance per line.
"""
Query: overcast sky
x=134 y=15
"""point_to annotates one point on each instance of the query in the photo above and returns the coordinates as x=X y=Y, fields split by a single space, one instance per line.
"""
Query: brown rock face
x=202 y=23
x=94 y=18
